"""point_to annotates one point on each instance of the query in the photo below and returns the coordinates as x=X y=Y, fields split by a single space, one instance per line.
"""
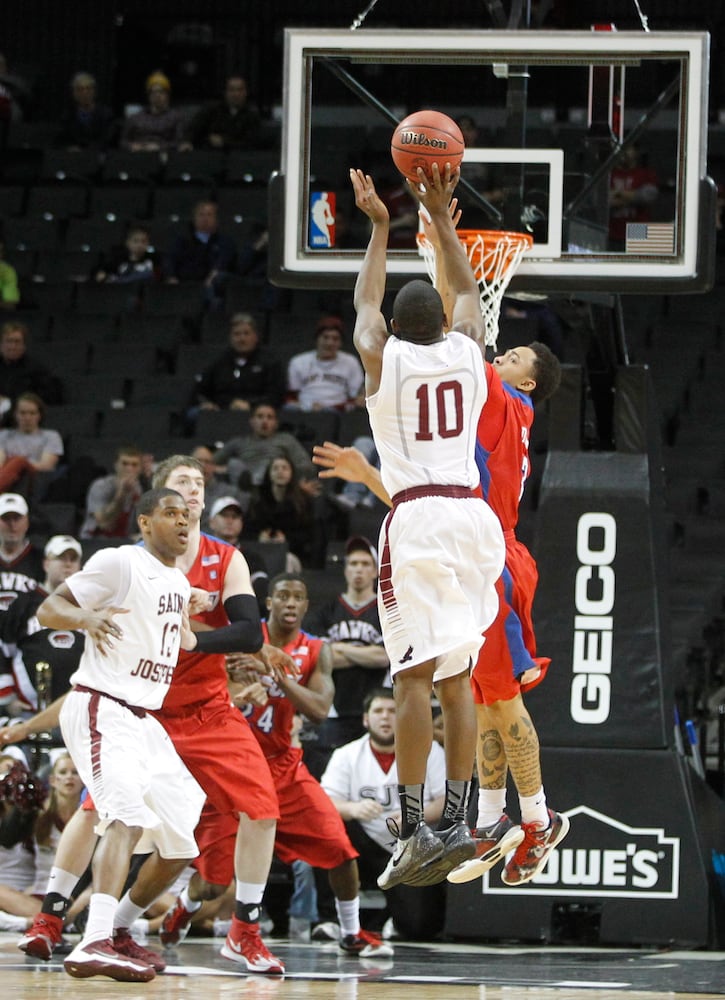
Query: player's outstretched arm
x=370 y=333
x=434 y=193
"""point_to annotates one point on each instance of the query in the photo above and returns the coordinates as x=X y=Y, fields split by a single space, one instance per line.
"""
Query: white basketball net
x=494 y=257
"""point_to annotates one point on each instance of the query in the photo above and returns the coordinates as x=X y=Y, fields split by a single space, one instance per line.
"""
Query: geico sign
x=603 y=857
x=596 y=546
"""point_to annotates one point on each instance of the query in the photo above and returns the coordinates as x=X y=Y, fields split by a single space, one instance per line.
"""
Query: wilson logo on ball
x=421 y=139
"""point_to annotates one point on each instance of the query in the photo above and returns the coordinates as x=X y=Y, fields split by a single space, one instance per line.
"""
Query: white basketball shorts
x=440 y=559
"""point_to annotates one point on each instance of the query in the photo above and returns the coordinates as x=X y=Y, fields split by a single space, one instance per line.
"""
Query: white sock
x=348 y=915
x=12 y=922
x=61 y=882
x=533 y=809
x=190 y=905
x=101 y=909
x=127 y=912
x=249 y=892
x=491 y=806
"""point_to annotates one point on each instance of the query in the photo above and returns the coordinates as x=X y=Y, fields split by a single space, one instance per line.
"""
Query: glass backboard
x=594 y=142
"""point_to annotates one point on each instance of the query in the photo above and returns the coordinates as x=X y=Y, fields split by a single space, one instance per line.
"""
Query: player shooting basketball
x=424 y=394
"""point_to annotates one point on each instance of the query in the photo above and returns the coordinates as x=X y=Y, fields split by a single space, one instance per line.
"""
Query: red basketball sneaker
x=100 y=958
x=533 y=852
x=44 y=934
x=244 y=945
x=125 y=945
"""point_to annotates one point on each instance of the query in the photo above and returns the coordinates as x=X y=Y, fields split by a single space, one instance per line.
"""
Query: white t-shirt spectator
x=324 y=384
x=354 y=773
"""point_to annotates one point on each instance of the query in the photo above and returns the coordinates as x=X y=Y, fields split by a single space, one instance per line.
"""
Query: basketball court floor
x=415 y=972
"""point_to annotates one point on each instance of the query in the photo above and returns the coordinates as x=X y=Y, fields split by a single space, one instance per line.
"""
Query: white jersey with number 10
x=425 y=412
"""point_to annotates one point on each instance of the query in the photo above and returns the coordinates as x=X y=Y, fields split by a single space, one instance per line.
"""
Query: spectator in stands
x=132 y=262
x=351 y=624
x=159 y=127
x=202 y=254
x=86 y=124
x=361 y=779
x=28 y=645
x=9 y=292
x=633 y=189
x=230 y=124
x=21 y=373
x=112 y=499
x=215 y=486
x=325 y=378
x=27 y=448
x=244 y=374
x=226 y=521
x=281 y=511
x=250 y=455
x=21 y=562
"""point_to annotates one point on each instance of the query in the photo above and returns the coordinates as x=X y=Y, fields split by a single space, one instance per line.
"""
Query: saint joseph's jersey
x=425 y=412
x=139 y=667
x=272 y=723
x=502 y=448
x=202 y=677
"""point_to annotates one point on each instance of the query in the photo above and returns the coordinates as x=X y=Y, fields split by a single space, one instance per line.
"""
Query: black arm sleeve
x=244 y=635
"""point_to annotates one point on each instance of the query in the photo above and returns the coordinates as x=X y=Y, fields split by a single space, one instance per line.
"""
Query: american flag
x=650 y=237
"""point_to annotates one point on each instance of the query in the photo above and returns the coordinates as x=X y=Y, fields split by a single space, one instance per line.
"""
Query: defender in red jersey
x=310 y=828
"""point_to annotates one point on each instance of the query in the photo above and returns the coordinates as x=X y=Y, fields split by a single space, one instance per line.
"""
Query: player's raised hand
x=343 y=463
x=434 y=191
x=366 y=197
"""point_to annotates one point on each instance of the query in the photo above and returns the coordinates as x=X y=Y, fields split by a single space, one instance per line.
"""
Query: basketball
x=425 y=138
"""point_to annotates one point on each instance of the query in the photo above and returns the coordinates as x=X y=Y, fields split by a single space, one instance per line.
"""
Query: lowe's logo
x=603 y=857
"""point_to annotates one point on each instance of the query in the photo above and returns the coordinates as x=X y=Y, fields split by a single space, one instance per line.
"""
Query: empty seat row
x=126 y=201
x=39 y=163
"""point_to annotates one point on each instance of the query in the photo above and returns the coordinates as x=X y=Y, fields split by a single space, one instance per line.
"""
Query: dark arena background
x=625 y=506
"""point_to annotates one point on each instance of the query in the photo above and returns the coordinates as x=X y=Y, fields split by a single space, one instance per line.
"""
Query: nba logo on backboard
x=322 y=219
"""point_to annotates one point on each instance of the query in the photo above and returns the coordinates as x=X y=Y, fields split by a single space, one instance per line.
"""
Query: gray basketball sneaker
x=458 y=847
x=410 y=855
